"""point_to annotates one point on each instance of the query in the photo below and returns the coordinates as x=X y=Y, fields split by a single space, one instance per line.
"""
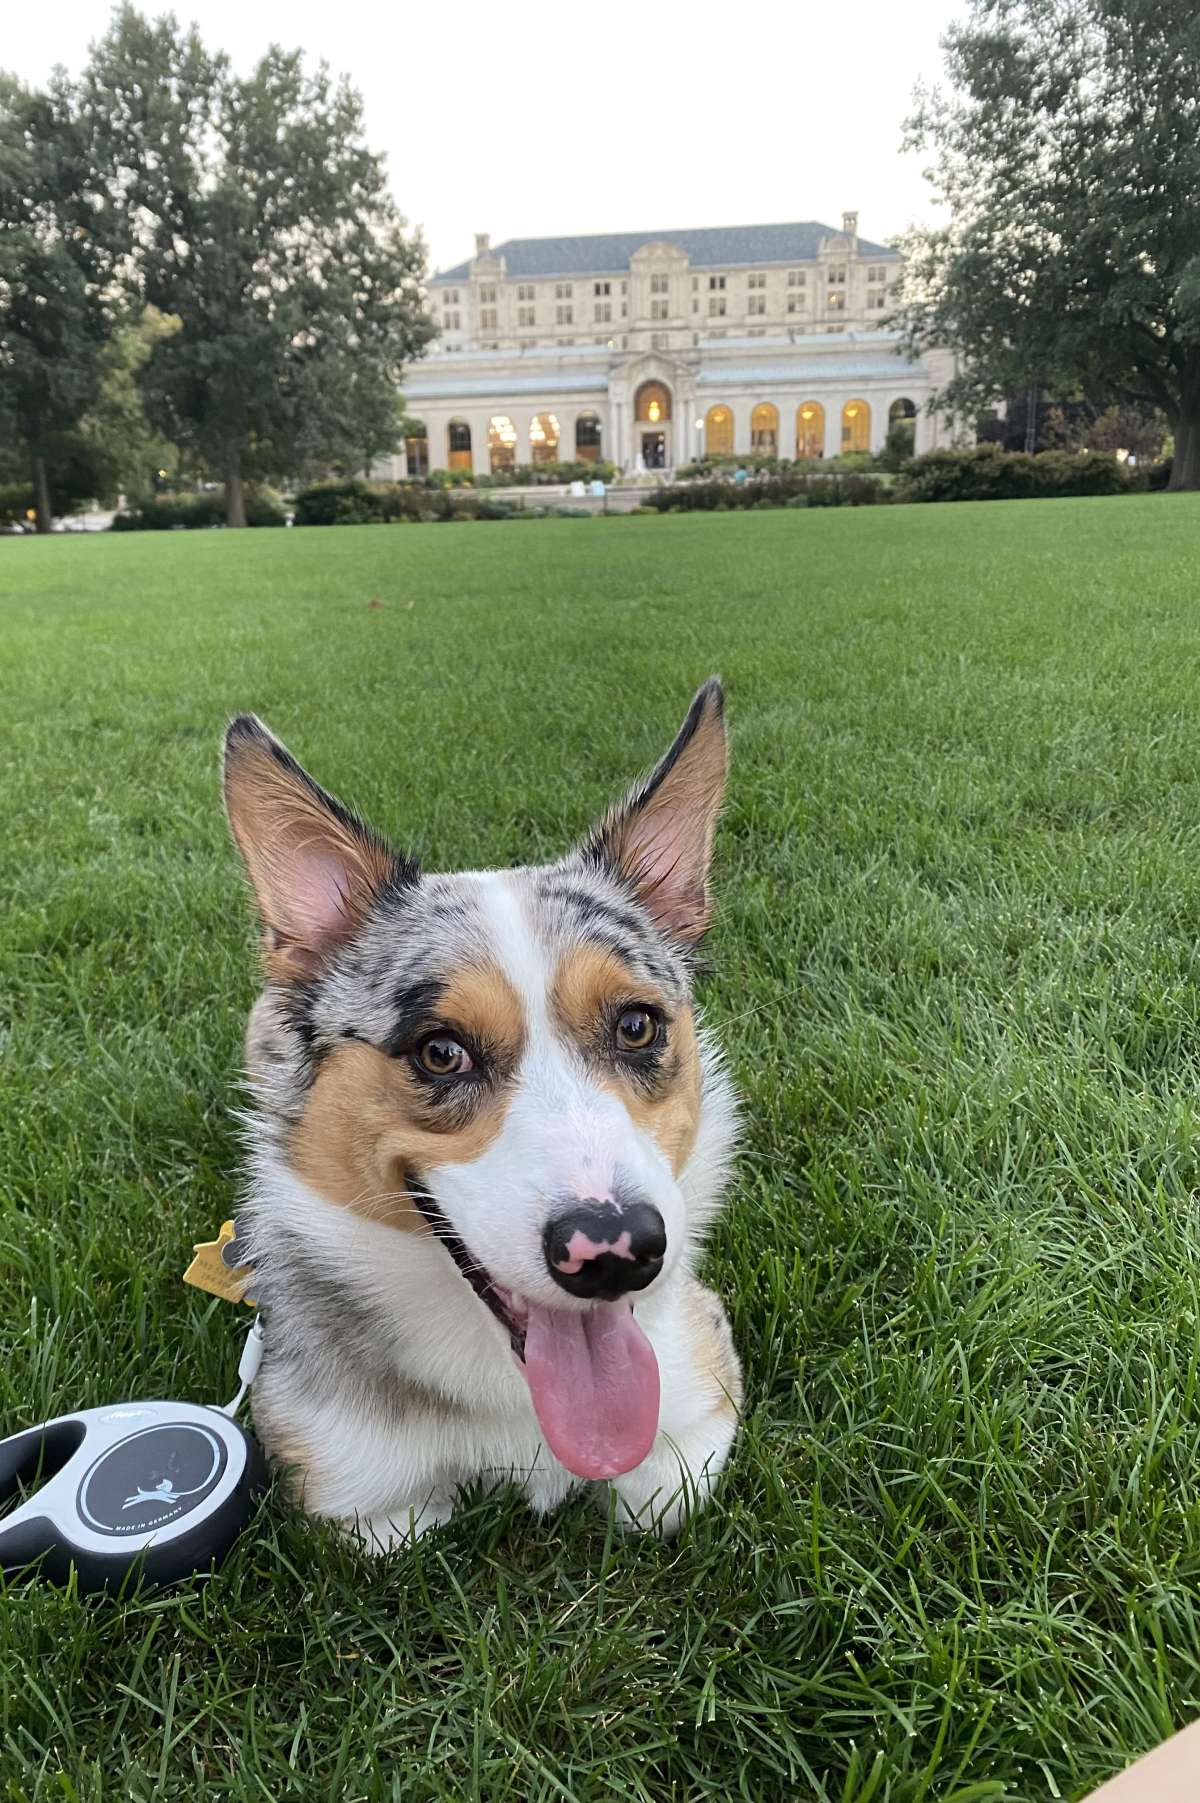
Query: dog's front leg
x=398 y=1525
x=698 y=1422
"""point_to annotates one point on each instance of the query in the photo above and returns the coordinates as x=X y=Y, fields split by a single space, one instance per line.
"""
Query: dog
x=486 y=1138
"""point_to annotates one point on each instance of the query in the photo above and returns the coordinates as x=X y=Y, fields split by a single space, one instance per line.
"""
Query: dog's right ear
x=315 y=867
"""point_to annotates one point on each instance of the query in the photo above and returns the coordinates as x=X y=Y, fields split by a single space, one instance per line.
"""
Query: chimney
x=483 y=243
x=850 y=224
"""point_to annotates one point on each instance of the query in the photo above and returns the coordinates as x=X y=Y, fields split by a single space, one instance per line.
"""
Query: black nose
x=602 y=1250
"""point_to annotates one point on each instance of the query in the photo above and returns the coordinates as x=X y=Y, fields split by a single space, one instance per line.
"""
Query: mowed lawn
x=958 y=1554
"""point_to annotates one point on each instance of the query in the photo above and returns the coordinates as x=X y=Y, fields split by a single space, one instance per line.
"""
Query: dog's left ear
x=660 y=839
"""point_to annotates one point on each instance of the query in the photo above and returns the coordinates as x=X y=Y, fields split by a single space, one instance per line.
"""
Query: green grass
x=958 y=1554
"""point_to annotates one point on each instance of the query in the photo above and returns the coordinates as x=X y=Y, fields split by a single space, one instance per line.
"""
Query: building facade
x=651 y=349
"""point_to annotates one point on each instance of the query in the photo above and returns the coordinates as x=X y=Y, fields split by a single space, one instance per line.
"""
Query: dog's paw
x=398 y=1527
x=676 y=1480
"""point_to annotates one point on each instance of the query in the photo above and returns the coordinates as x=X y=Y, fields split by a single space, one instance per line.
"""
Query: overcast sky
x=535 y=120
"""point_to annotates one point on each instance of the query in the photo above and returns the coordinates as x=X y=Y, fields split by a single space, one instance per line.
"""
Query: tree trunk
x=41 y=493
x=1185 y=465
x=235 y=501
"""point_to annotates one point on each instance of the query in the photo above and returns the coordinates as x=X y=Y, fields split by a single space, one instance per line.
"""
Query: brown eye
x=637 y=1030
x=443 y=1056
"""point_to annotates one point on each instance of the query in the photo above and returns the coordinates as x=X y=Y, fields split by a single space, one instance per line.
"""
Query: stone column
x=481 y=462
x=833 y=426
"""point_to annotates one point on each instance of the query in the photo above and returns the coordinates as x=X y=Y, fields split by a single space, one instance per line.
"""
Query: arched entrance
x=718 y=432
x=764 y=430
x=810 y=430
x=652 y=411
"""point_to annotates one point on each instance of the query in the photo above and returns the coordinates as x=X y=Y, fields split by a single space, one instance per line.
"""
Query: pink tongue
x=594 y=1381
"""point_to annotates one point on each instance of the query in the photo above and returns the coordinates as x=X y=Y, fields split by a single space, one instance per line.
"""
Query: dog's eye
x=637 y=1030
x=443 y=1056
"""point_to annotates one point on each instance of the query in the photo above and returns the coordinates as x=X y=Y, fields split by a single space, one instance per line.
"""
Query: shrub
x=349 y=503
x=16 y=498
x=985 y=473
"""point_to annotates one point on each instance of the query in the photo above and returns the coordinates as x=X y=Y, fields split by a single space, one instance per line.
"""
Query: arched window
x=416 y=449
x=718 y=432
x=810 y=429
x=653 y=403
x=902 y=426
x=856 y=426
x=502 y=443
x=458 y=445
x=764 y=430
x=587 y=438
x=543 y=438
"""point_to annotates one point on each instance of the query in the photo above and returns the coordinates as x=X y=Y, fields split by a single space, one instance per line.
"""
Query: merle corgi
x=487 y=1137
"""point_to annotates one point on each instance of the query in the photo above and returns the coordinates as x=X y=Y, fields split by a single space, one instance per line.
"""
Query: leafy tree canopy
x=1067 y=151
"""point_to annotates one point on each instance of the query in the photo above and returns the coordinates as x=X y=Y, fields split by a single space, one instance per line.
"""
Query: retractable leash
x=161 y=1487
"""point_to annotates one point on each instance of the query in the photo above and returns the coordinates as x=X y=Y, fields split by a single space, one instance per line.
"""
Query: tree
x=265 y=225
x=59 y=240
x=1068 y=154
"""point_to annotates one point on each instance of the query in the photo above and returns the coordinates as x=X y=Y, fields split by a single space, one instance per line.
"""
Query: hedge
x=789 y=488
x=986 y=473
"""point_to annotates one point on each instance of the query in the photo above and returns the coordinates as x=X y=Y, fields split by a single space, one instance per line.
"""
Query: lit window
x=810 y=429
x=764 y=430
x=565 y=315
x=543 y=438
x=836 y=302
x=502 y=443
x=718 y=432
x=653 y=403
x=856 y=426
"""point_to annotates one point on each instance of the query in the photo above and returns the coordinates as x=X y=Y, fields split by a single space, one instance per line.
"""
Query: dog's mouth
x=592 y=1373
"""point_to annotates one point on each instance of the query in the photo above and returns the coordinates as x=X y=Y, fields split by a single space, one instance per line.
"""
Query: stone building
x=648 y=348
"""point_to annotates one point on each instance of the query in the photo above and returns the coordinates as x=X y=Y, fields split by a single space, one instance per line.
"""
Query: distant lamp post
x=1122 y=456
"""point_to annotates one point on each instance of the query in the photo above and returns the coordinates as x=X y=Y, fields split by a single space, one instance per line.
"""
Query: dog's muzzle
x=602 y=1250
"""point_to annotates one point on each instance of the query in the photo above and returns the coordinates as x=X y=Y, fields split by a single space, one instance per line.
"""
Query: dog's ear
x=314 y=867
x=659 y=839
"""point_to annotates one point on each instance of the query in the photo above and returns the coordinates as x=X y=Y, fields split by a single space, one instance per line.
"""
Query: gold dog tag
x=209 y=1270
